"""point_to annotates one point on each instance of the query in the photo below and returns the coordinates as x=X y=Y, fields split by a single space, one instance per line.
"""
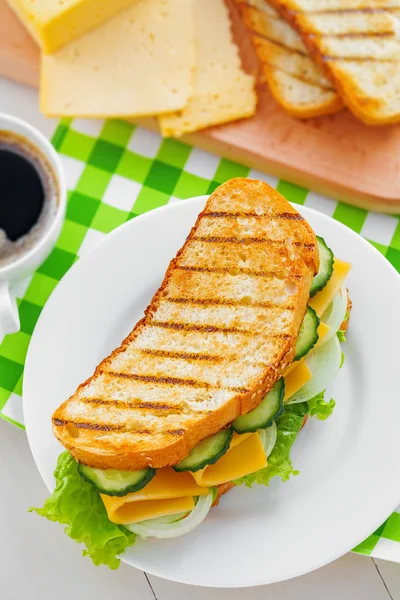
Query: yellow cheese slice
x=139 y=63
x=322 y=331
x=133 y=512
x=296 y=379
x=54 y=24
x=238 y=439
x=240 y=460
x=322 y=300
x=222 y=90
x=167 y=485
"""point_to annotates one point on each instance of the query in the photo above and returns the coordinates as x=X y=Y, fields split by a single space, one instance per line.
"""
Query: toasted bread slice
x=357 y=43
x=296 y=81
x=217 y=335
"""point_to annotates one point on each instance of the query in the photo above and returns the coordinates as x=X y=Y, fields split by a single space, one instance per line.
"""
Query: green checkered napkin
x=116 y=171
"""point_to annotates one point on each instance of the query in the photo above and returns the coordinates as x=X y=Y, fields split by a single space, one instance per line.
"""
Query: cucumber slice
x=308 y=333
x=326 y=259
x=207 y=452
x=269 y=409
x=116 y=483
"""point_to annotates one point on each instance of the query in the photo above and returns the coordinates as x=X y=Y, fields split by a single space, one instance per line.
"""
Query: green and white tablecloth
x=116 y=171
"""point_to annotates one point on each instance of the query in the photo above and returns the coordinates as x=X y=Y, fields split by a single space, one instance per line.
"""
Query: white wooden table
x=38 y=562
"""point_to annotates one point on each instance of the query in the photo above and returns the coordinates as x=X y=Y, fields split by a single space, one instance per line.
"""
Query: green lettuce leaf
x=317 y=407
x=76 y=504
x=279 y=463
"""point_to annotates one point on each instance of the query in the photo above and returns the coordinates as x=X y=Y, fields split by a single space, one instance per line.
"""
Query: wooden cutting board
x=336 y=155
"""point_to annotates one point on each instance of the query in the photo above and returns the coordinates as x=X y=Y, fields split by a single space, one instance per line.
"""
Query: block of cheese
x=54 y=23
x=139 y=63
x=222 y=90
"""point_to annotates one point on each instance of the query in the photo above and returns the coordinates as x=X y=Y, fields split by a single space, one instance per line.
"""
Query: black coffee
x=28 y=196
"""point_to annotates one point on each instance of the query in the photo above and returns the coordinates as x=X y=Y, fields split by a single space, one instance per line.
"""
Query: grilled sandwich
x=296 y=81
x=212 y=386
x=218 y=334
x=357 y=43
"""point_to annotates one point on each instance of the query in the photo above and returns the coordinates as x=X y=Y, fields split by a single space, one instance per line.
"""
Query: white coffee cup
x=23 y=265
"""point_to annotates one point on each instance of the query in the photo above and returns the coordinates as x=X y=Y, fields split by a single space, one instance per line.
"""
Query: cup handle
x=9 y=317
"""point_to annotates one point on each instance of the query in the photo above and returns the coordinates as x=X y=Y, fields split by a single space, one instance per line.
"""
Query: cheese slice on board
x=167 y=493
x=53 y=24
x=139 y=63
x=222 y=90
x=245 y=456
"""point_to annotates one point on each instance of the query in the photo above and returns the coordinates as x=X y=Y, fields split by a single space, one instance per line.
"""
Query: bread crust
x=108 y=446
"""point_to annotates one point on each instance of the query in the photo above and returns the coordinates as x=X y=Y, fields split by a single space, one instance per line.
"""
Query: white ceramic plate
x=349 y=465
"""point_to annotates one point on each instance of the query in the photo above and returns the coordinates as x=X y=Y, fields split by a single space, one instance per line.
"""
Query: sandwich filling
x=173 y=502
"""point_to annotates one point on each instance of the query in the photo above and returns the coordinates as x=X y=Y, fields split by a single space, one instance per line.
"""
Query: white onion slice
x=324 y=364
x=335 y=314
x=268 y=438
x=171 y=530
x=167 y=519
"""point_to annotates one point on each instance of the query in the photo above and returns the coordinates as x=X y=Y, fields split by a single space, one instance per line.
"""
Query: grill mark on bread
x=330 y=11
x=361 y=34
x=155 y=408
x=181 y=355
x=290 y=216
x=151 y=406
x=235 y=240
x=174 y=381
x=159 y=406
x=246 y=240
x=194 y=356
x=94 y=426
x=262 y=36
x=224 y=302
x=323 y=11
x=108 y=402
x=352 y=58
x=196 y=327
x=211 y=329
x=230 y=270
x=235 y=215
